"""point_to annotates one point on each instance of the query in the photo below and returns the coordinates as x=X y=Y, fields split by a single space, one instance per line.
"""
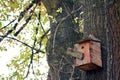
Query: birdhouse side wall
x=95 y=51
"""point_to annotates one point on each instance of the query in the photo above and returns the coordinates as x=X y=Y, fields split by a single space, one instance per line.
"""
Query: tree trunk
x=102 y=19
x=63 y=35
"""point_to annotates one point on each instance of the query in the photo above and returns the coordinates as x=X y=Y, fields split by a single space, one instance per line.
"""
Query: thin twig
x=42 y=37
x=31 y=62
x=37 y=50
x=27 y=21
x=39 y=15
x=8 y=24
x=66 y=9
x=62 y=20
x=32 y=55
x=19 y=19
x=45 y=33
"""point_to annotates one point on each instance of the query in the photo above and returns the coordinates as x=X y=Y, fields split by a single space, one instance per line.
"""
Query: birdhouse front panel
x=84 y=49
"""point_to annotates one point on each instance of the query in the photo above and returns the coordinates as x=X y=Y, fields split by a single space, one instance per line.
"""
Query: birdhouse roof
x=89 y=38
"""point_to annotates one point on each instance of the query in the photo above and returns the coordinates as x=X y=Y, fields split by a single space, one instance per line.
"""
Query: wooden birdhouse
x=87 y=53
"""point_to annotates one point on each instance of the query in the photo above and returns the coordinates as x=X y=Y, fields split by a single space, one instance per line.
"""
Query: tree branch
x=39 y=23
x=8 y=24
x=61 y=21
x=37 y=51
x=20 y=18
x=32 y=55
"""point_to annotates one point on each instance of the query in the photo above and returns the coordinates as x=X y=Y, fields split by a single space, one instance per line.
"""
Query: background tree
x=101 y=18
x=70 y=20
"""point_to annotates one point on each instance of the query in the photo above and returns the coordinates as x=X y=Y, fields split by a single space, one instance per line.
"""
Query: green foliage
x=93 y=5
x=0 y=24
x=28 y=40
x=75 y=1
x=76 y=19
x=88 y=14
x=59 y=10
x=81 y=21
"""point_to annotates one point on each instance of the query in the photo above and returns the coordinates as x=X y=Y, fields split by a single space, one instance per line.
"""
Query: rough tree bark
x=63 y=35
x=102 y=19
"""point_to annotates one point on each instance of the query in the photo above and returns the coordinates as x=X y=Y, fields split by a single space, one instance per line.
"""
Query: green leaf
x=0 y=24
x=93 y=5
x=59 y=10
x=88 y=13
x=76 y=19
x=15 y=73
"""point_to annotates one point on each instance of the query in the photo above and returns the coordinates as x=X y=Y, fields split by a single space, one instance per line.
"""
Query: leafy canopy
x=24 y=24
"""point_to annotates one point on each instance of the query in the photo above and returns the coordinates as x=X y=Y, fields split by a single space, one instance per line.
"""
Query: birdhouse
x=87 y=53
